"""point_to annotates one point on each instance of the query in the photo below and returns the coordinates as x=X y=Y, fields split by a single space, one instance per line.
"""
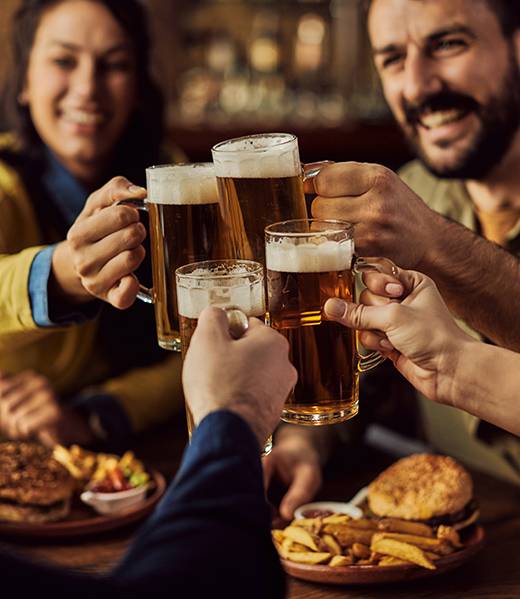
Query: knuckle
x=394 y=311
x=123 y=216
x=130 y=260
x=356 y=316
x=133 y=235
x=75 y=238
x=39 y=380
x=383 y=177
x=116 y=182
x=82 y=266
x=94 y=286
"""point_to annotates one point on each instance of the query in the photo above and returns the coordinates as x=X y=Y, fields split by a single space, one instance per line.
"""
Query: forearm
x=15 y=306
x=151 y=394
x=213 y=524
x=479 y=281
x=485 y=381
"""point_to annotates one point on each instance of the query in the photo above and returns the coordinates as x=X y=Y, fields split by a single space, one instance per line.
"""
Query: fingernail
x=385 y=344
x=335 y=307
x=136 y=189
x=395 y=289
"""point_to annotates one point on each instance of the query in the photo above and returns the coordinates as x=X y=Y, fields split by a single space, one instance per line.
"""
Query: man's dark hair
x=139 y=145
x=506 y=12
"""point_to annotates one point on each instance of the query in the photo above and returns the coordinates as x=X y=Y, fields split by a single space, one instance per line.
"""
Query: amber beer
x=185 y=227
x=221 y=283
x=300 y=279
x=260 y=181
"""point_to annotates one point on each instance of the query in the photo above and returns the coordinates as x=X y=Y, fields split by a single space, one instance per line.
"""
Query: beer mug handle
x=145 y=294
x=313 y=169
x=361 y=265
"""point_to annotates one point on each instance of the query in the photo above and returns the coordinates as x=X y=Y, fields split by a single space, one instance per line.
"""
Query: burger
x=427 y=488
x=34 y=487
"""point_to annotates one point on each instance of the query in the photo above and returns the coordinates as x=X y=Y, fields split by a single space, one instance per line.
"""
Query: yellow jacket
x=72 y=357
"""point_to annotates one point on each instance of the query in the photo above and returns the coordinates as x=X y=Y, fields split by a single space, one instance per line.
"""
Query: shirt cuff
x=53 y=315
x=107 y=418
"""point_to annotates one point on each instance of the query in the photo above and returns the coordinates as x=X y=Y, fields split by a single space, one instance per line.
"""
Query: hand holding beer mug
x=308 y=262
x=234 y=285
x=185 y=226
x=260 y=179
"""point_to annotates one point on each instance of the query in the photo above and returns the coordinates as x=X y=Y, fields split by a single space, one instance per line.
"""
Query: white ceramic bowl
x=112 y=503
x=337 y=507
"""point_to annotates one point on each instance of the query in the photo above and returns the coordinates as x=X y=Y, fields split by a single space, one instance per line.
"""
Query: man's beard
x=499 y=119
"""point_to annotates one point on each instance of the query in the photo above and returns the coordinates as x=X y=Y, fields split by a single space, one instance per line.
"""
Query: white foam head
x=182 y=184
x=199 y=290
x=263 y=156
x=284 y=256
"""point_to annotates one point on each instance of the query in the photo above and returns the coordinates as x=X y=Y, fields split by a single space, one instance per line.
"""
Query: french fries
x=412 y=528
x=338 y=540
x=402 y=551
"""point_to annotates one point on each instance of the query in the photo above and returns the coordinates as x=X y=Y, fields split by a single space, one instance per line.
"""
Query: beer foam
x=258 y=157
x=249 y=298
x=282 y=256
x=182 y=184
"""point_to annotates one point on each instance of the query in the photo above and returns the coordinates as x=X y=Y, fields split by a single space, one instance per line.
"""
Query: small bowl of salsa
x=322 y=509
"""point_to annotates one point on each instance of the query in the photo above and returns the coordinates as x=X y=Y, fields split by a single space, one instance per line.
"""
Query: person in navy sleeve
x=210 y=535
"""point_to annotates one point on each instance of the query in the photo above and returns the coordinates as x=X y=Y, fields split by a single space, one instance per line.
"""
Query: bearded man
x=450 y=72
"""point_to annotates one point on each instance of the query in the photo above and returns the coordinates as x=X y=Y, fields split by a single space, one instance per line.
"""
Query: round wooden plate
x=83 y=521
x=384 y=574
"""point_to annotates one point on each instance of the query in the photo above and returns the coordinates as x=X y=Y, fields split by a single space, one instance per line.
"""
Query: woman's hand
x=29 y=409
x=407 y=320
x=103 y=248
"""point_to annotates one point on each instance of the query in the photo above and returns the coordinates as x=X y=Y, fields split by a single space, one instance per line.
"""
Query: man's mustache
x=445 y=100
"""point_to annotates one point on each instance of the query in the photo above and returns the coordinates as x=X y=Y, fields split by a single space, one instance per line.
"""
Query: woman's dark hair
x=140 y=142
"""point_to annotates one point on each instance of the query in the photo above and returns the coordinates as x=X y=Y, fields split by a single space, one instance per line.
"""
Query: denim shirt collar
x=65 y=191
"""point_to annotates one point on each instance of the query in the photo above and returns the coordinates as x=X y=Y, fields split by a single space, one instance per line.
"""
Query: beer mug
x=260 y=179
x=309 y=261
x=228 y=284
x=185 y=226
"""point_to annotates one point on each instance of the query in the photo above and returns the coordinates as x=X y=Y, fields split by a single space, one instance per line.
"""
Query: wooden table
x=493 y=574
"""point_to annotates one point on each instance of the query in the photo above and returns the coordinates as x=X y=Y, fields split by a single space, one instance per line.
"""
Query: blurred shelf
x=362 y=142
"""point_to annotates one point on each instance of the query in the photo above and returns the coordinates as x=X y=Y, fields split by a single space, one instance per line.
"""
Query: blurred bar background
x=232 y=67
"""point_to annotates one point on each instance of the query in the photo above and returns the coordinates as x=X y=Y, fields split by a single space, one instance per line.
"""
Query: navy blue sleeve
x=209 y=536
x=217 y=513
x=45 y=313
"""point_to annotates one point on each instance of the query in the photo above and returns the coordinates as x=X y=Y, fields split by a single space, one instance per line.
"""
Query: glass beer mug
x=308 y=262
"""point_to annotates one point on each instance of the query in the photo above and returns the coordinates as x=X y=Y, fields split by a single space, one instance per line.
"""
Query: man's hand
x=417 y=333
x=296 y=462
x=103 y=249
x=391 y=220
x=251 y=376
x=29 y=409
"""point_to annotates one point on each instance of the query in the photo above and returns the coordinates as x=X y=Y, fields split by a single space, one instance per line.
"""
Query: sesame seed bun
x=421 y=487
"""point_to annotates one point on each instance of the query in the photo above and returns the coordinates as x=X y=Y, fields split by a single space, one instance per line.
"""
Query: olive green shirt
x=450 y=430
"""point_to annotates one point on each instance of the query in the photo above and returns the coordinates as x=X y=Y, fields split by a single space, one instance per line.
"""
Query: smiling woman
x=82 y=108
x=80 y=86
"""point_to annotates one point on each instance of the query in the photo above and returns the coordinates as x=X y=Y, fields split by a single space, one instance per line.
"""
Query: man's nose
x=421 y=78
